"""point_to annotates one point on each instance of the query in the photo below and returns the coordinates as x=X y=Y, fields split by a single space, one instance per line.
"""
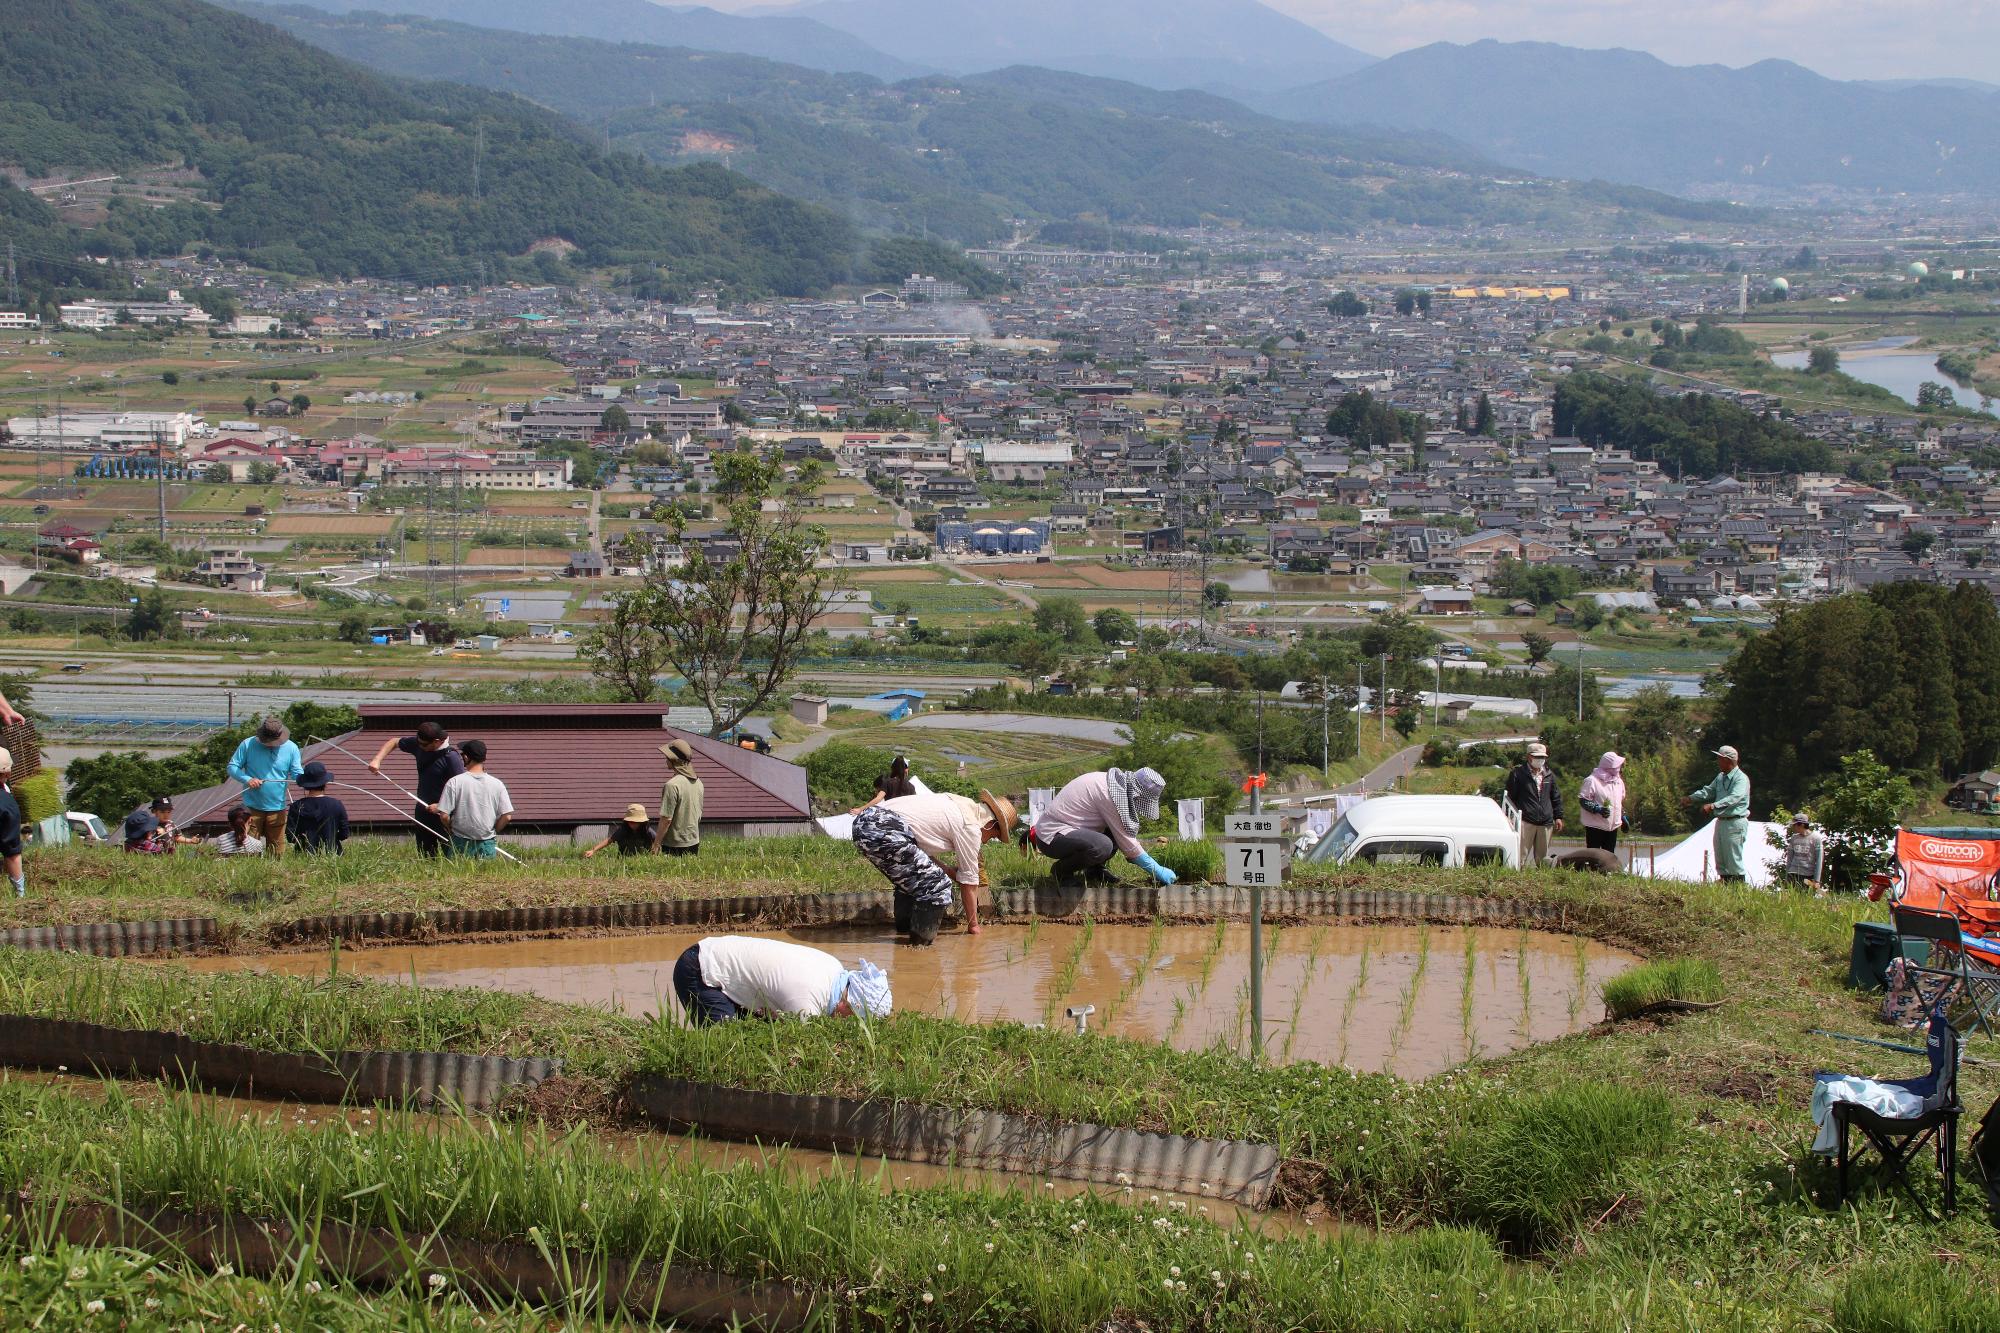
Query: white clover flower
x=940 y=1268
x=76 y=1273
x=436 y=1281
x=1175 y=1271
x=928 y=1298
x=989 y=1247
x=93 y=1307
x=312 y=1288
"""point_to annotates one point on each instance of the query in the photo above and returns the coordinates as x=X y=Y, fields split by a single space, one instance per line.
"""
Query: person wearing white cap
x=1727 y=797
x=726 y=977
x=1532 y=788
x=1096 y=814
x=10 y=828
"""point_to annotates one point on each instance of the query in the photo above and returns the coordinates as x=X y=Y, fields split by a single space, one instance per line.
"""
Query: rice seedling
x=1354 y=994
x=1580 y=981
x=1308 y=974
x=1525 y=979
x=1465 y=1020
x=1407 y=1007
x=1064 y=979
x=1141 y=972
x=1218 y=938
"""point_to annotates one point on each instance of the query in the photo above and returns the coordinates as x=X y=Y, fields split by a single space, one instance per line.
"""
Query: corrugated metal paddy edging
x=116 y=939
x=1242 y=1173
x=374 y=1256
x=476 y=1082
x=875 y=909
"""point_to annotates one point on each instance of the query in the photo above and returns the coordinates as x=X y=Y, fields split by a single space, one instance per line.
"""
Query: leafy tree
x=1695 y=435
x=249 y=404
x=1406 y=301
x=615 y=419
x=1823 y=359
x=1346 y=305
x=1916 y=544
x=1114 y=626
x=170 y=377
x=1538 y=645
x=1368 y=423
x=1935 y=397
x=1217 y=595
x=300 y=402
x=1859 y=807
x=687 y=618
x=1061 y=618
x=1540 y=584
x=1656 y=720
x=150 y=618
x=1482 y=420
x=1192 y=767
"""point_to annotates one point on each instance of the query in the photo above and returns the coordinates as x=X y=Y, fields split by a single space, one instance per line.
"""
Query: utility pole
x=1383 y=702
x=160 y=476
x=1579 y=680
x=1325 y=731
x=1257 y=907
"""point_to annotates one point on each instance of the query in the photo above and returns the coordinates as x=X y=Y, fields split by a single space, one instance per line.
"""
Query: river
x=1887 y=363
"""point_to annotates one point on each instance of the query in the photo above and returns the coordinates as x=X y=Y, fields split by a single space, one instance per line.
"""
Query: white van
x=1424 y=831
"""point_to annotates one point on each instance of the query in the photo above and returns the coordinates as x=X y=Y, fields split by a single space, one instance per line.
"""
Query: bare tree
x=733 y=618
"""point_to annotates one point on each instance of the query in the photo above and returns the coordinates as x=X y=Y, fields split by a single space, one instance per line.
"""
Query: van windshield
x=1334 y=845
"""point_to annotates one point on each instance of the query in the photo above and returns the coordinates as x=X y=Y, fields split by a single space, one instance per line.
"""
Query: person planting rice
x=1095 y=815
x=904 y=838
x=726 y=977
x=633 y=834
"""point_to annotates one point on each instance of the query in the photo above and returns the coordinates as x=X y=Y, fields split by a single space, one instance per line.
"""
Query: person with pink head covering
x=1602 y=798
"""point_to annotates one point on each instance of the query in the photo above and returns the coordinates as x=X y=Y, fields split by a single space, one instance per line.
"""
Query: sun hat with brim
x=1800 y=818
x=1728 y=752
x=1135 y=795
x=1537 y=750
x=1003 y=811
x=271 y=731
x=140 y=824
x=314 y=776
x=635 y=813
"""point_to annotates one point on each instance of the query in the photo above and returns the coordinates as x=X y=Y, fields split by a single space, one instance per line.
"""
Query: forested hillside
x=311 y=165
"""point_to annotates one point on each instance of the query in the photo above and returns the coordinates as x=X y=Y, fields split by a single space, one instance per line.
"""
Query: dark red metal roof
x=564 y=764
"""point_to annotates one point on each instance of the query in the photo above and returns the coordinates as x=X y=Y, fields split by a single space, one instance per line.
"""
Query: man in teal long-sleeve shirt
x=265 y=763
x=1727 y=797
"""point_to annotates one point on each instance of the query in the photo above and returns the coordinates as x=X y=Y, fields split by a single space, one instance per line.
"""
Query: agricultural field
x=1649 y=1172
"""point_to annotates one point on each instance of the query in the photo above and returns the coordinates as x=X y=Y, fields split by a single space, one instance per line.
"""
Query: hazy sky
x=1848 y=39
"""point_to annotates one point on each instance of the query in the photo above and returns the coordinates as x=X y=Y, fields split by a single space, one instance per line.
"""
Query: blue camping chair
x=1899 y=1138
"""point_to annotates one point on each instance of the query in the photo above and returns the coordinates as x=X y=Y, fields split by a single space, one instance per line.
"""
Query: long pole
x=1325 y=731
x=1579 y=680
x=1383 y=702
x=336 y=745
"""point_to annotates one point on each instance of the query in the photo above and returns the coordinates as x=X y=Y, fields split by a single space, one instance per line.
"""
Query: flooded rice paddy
x=1410 y=1000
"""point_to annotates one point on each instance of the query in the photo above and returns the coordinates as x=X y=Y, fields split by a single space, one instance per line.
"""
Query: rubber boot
x=925 y=918
x=904 y=902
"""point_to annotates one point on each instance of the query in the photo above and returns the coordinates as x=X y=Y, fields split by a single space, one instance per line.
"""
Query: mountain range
x=960 y=156
x=308 y=164
x=1628 y=116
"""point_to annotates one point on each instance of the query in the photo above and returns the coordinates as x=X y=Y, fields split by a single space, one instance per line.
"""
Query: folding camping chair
x=1899 y=1138
x=1967 y=967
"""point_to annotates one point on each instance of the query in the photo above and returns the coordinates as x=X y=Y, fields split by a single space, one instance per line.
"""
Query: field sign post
x=1252 y=857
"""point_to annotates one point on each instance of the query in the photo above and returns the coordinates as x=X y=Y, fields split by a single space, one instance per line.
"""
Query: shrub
x=845 y=773
x=1548 y=1165
x=1694 y=979
x=1192 y=861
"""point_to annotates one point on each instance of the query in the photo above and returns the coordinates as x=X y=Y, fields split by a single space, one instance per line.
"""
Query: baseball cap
x=1537 y=750
x=1727 y=752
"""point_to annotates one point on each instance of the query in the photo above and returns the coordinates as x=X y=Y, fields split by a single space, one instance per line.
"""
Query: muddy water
x=1396 y=998
x=656 y=1148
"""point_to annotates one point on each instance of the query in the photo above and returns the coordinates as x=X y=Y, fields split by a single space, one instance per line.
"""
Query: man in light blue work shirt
x=264 y=764
x=1727 y=797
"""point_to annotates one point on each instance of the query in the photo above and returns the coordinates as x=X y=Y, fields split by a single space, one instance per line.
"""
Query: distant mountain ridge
x=958 y=157
x=1628 y=116
x=793 y=38
x=1157 y=43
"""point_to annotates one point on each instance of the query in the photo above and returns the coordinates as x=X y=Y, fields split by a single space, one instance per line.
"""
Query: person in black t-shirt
x=633 y=835
x=438 y=762
x=10 y=827
x=318 y=822
x=891 y=785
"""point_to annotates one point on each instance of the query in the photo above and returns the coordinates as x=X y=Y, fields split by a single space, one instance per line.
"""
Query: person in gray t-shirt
x=475 y=806
x=1805 y=855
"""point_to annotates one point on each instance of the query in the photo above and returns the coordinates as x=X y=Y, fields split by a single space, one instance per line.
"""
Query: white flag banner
x=1192 y=815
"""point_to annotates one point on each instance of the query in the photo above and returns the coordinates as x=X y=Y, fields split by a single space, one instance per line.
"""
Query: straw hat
x=636 y=813
x=1003 y=812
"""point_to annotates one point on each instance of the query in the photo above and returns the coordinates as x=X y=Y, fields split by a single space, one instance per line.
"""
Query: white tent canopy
x=1694 y=855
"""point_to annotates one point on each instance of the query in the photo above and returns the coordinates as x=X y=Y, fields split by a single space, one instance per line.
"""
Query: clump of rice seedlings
x=1465 y=1022
x=1580 y=985
x=1315 y=942
x=1155 y=938
x=1527 y=984
x=1215 y=946
x=1354 y=995
x=1066 y=973
x=1692 y=979
x=1407 y=1010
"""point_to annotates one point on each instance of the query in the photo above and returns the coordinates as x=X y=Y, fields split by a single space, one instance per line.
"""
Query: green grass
x=1694 y=979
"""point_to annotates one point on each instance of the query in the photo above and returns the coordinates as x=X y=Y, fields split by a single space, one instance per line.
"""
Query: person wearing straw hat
x=318 y=821
x=904 y=839
x=1096 y=814
x=264 y=763
x=679 y=833
x=10 y=827
x=633 y=834
x=1727 y=797
x=726 y=977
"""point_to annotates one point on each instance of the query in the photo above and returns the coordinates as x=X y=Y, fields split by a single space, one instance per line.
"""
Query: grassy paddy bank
x=1648 y=1174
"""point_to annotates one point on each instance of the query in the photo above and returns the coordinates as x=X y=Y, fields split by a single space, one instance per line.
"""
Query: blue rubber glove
x=1145 y=862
